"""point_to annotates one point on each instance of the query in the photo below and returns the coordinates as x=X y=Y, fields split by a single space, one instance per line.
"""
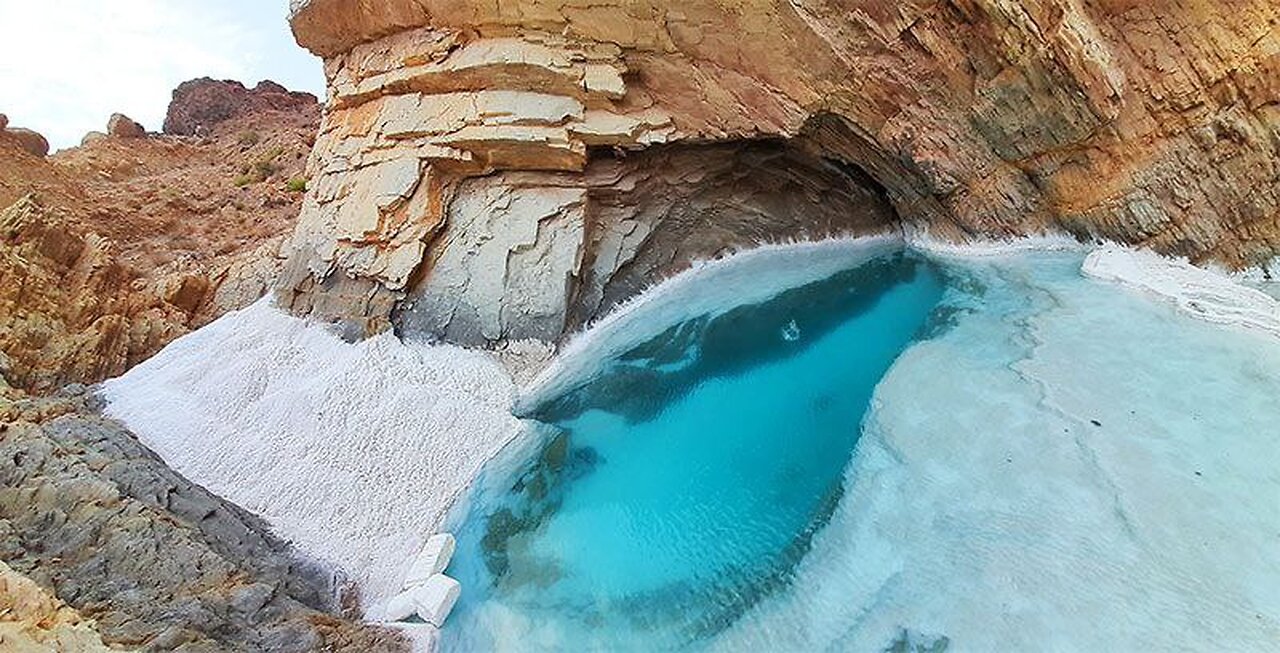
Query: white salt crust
x=1108 y=486
x=925 y=242
x=352 y=452
x=1204 y=293
x=431 y=601
x=433 y=559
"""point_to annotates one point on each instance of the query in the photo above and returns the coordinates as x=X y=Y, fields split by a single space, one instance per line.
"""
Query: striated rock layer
x=489 y=171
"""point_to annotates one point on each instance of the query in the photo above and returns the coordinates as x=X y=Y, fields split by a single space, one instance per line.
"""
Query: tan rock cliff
x=462 y=169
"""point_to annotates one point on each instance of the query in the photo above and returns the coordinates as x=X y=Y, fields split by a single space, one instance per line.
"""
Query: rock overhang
x=986 y=117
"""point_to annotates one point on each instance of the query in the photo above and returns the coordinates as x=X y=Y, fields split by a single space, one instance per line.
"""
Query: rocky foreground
x=102 y=543
x=108 y=252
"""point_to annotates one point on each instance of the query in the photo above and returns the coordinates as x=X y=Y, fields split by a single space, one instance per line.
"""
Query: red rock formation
x=111 y=250
x=200 y=104
x=29 y=141
x=122 y=126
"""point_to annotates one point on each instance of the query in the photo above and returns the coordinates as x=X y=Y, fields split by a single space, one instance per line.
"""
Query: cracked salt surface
x=1069 y=468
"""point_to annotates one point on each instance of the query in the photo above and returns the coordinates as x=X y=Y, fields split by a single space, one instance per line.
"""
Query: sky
x=67 y=65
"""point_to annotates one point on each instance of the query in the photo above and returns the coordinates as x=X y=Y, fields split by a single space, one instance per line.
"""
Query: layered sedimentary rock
x=467 y=141
x=103 y=543
x=532 y=254
x=110 y=250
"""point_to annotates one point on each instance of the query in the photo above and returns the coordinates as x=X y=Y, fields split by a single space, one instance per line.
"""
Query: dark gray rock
x=160 y=563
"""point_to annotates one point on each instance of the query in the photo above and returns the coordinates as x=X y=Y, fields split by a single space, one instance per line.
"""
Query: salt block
x=433 y=559
x=435 y=598
x=432 y=601
x=401 y=606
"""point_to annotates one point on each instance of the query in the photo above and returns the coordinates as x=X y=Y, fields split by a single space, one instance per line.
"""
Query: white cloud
x=66 y=65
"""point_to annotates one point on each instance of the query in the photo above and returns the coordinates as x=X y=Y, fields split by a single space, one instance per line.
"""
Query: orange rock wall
x=1154 y=123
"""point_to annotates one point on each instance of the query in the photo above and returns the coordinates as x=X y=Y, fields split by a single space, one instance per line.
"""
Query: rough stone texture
x=66 y=306
x=529 y=255
x=200 y=104
x=34 y=621
x=27 y=140
x=1154 y=124
x=98 y=520
x=122 y=126
x=110 y=250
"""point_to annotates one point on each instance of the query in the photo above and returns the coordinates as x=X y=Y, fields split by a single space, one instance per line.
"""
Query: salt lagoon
x=851 y=445
x=936 y=451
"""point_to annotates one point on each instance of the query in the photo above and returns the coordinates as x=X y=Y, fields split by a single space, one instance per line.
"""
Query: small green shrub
x=248 y=139
x=263 y=169
x=297 y=185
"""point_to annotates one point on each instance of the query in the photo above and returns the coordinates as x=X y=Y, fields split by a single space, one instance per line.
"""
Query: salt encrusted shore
x=1204 y=293
x=925 y=242
x=355 y=452
x=746 y=277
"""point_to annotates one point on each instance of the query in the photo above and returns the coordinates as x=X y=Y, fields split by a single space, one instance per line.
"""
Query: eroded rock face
x=200 y=104
x=31 y=142
x=90 y=517
x=534 y=255
x=122 y=126
x=36 y=621
x=458 y=130
x=111 y=250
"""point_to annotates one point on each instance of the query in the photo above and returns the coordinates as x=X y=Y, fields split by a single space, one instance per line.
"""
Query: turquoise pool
x=884 y=458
